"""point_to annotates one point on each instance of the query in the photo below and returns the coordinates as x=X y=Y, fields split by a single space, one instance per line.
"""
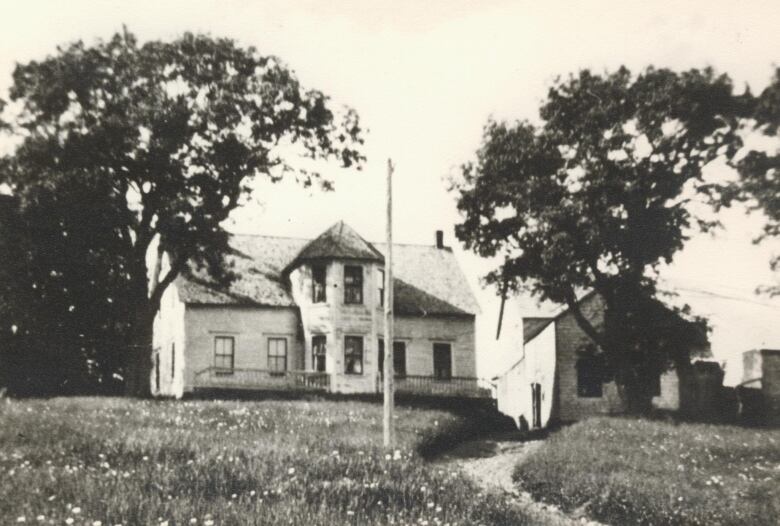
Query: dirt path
x=491 y=463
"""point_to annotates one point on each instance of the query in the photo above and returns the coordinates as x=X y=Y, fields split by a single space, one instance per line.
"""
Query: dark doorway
x=536 y=403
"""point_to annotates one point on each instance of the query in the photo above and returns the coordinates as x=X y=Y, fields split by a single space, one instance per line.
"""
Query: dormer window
x=353 y=284
x=318 y=288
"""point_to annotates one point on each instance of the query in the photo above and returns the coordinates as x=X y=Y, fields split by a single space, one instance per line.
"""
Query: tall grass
x=89 y=461
x=628 y=471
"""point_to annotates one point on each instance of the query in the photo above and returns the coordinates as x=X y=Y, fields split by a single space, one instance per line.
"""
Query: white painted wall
x=536 y=365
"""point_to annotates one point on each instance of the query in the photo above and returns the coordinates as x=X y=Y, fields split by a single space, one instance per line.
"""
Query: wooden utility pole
x=389 y=372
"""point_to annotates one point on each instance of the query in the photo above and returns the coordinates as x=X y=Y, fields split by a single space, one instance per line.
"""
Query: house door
x=536 y=405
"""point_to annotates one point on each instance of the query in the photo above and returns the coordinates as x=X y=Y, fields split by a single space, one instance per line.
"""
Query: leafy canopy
x=597 y=195
x=177 y=128
x=760 y=170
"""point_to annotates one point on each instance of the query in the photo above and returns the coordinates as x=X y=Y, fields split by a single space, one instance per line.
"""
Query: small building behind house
x=759 y=390
x=552 y=380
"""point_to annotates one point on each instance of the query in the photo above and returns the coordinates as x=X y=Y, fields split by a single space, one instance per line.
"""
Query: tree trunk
x=139 y=355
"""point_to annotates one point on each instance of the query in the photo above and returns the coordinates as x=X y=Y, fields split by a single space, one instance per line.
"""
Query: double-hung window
x=399 y=358
x=318 y=288
x=318 y=352
x=353 y=354
x=380 y=285
x=442 y=361
x=353 y=284
x=224 y=353
x=277 y=355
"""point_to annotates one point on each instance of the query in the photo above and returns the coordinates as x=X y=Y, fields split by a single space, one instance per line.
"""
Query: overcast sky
x=425 y=76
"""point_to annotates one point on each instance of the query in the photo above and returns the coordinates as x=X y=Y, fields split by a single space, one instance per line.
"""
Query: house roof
x=339 y=241
x=427 y=280
x=533 y=327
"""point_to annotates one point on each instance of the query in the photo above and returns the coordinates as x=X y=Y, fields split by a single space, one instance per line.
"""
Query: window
x=380 y=285
x=224 y=347
x=318 y=288
x=318 y=353
x=277 y=355
x=173 y=360
x=353 y=354
x=399 y=357
x=590 y=374
x=157 y=370
x=353 y=284
x=442 y=361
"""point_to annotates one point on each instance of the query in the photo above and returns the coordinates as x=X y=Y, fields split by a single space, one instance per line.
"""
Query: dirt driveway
x=491 y=462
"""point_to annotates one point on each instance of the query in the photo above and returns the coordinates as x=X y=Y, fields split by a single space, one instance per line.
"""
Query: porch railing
x=460 y=386
x=217 y=378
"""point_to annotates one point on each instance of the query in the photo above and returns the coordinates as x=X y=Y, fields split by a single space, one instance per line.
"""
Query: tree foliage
x=172 y=134
x=760 y=170
x=596 y=196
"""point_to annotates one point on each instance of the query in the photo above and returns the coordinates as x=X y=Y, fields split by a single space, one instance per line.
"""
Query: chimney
x=439 y=239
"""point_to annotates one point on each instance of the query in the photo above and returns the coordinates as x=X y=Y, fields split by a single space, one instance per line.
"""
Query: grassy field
x=626 y=471
x=100 y=462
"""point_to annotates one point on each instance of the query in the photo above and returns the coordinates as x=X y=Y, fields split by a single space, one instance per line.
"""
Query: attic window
x=318 y=294
x=353 y=284
x=590 y=375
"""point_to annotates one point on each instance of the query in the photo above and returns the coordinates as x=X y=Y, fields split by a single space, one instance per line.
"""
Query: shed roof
x=427 y=280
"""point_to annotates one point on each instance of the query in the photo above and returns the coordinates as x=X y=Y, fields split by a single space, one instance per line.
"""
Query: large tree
x=174 y=131
x=760 y=169
x=595 y=197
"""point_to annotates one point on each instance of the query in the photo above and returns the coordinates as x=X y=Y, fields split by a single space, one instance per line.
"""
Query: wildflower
x=193 y=521
x=252 y=493
x=21 y=519
x=40 y=518
x=208 y=522
x=76 y=510
x=291 y=471
x=69 y=521
x=350 y=513
x=97 y=523
x=233 y=496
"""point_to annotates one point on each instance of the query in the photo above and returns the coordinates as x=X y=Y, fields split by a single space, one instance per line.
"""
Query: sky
x=425 y=77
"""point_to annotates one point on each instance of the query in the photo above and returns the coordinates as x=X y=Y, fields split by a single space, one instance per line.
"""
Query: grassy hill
x=629 y=471
x=90 y=461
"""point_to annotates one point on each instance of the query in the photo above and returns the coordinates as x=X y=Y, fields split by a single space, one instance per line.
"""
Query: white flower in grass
x=40 y=518
x=21 y=519
x=291 y=471
x=350 y=513
x=69 y=521
x=193 y=521
x=208 y=522
x=97 y=523
x=252 y=493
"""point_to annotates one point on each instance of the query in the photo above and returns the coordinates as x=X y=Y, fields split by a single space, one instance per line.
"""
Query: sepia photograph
x=444 y=263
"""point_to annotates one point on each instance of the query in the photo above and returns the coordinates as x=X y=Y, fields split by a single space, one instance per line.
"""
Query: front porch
x=308 y=381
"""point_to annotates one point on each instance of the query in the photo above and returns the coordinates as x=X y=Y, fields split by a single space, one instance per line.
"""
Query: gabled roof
x=427 y=280
x=340 y=241
x=533 y=327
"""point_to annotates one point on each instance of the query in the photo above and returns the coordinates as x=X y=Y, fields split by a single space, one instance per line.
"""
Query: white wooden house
x=308 y=315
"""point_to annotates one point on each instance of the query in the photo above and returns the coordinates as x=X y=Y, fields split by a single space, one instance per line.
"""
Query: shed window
x=318 y=288
x=399 y=358
x=224 y=353
x=590 y=375
x=442 y=361
x=353 y=354
x=277 y=355
x=353 y=284
x=318 y=352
